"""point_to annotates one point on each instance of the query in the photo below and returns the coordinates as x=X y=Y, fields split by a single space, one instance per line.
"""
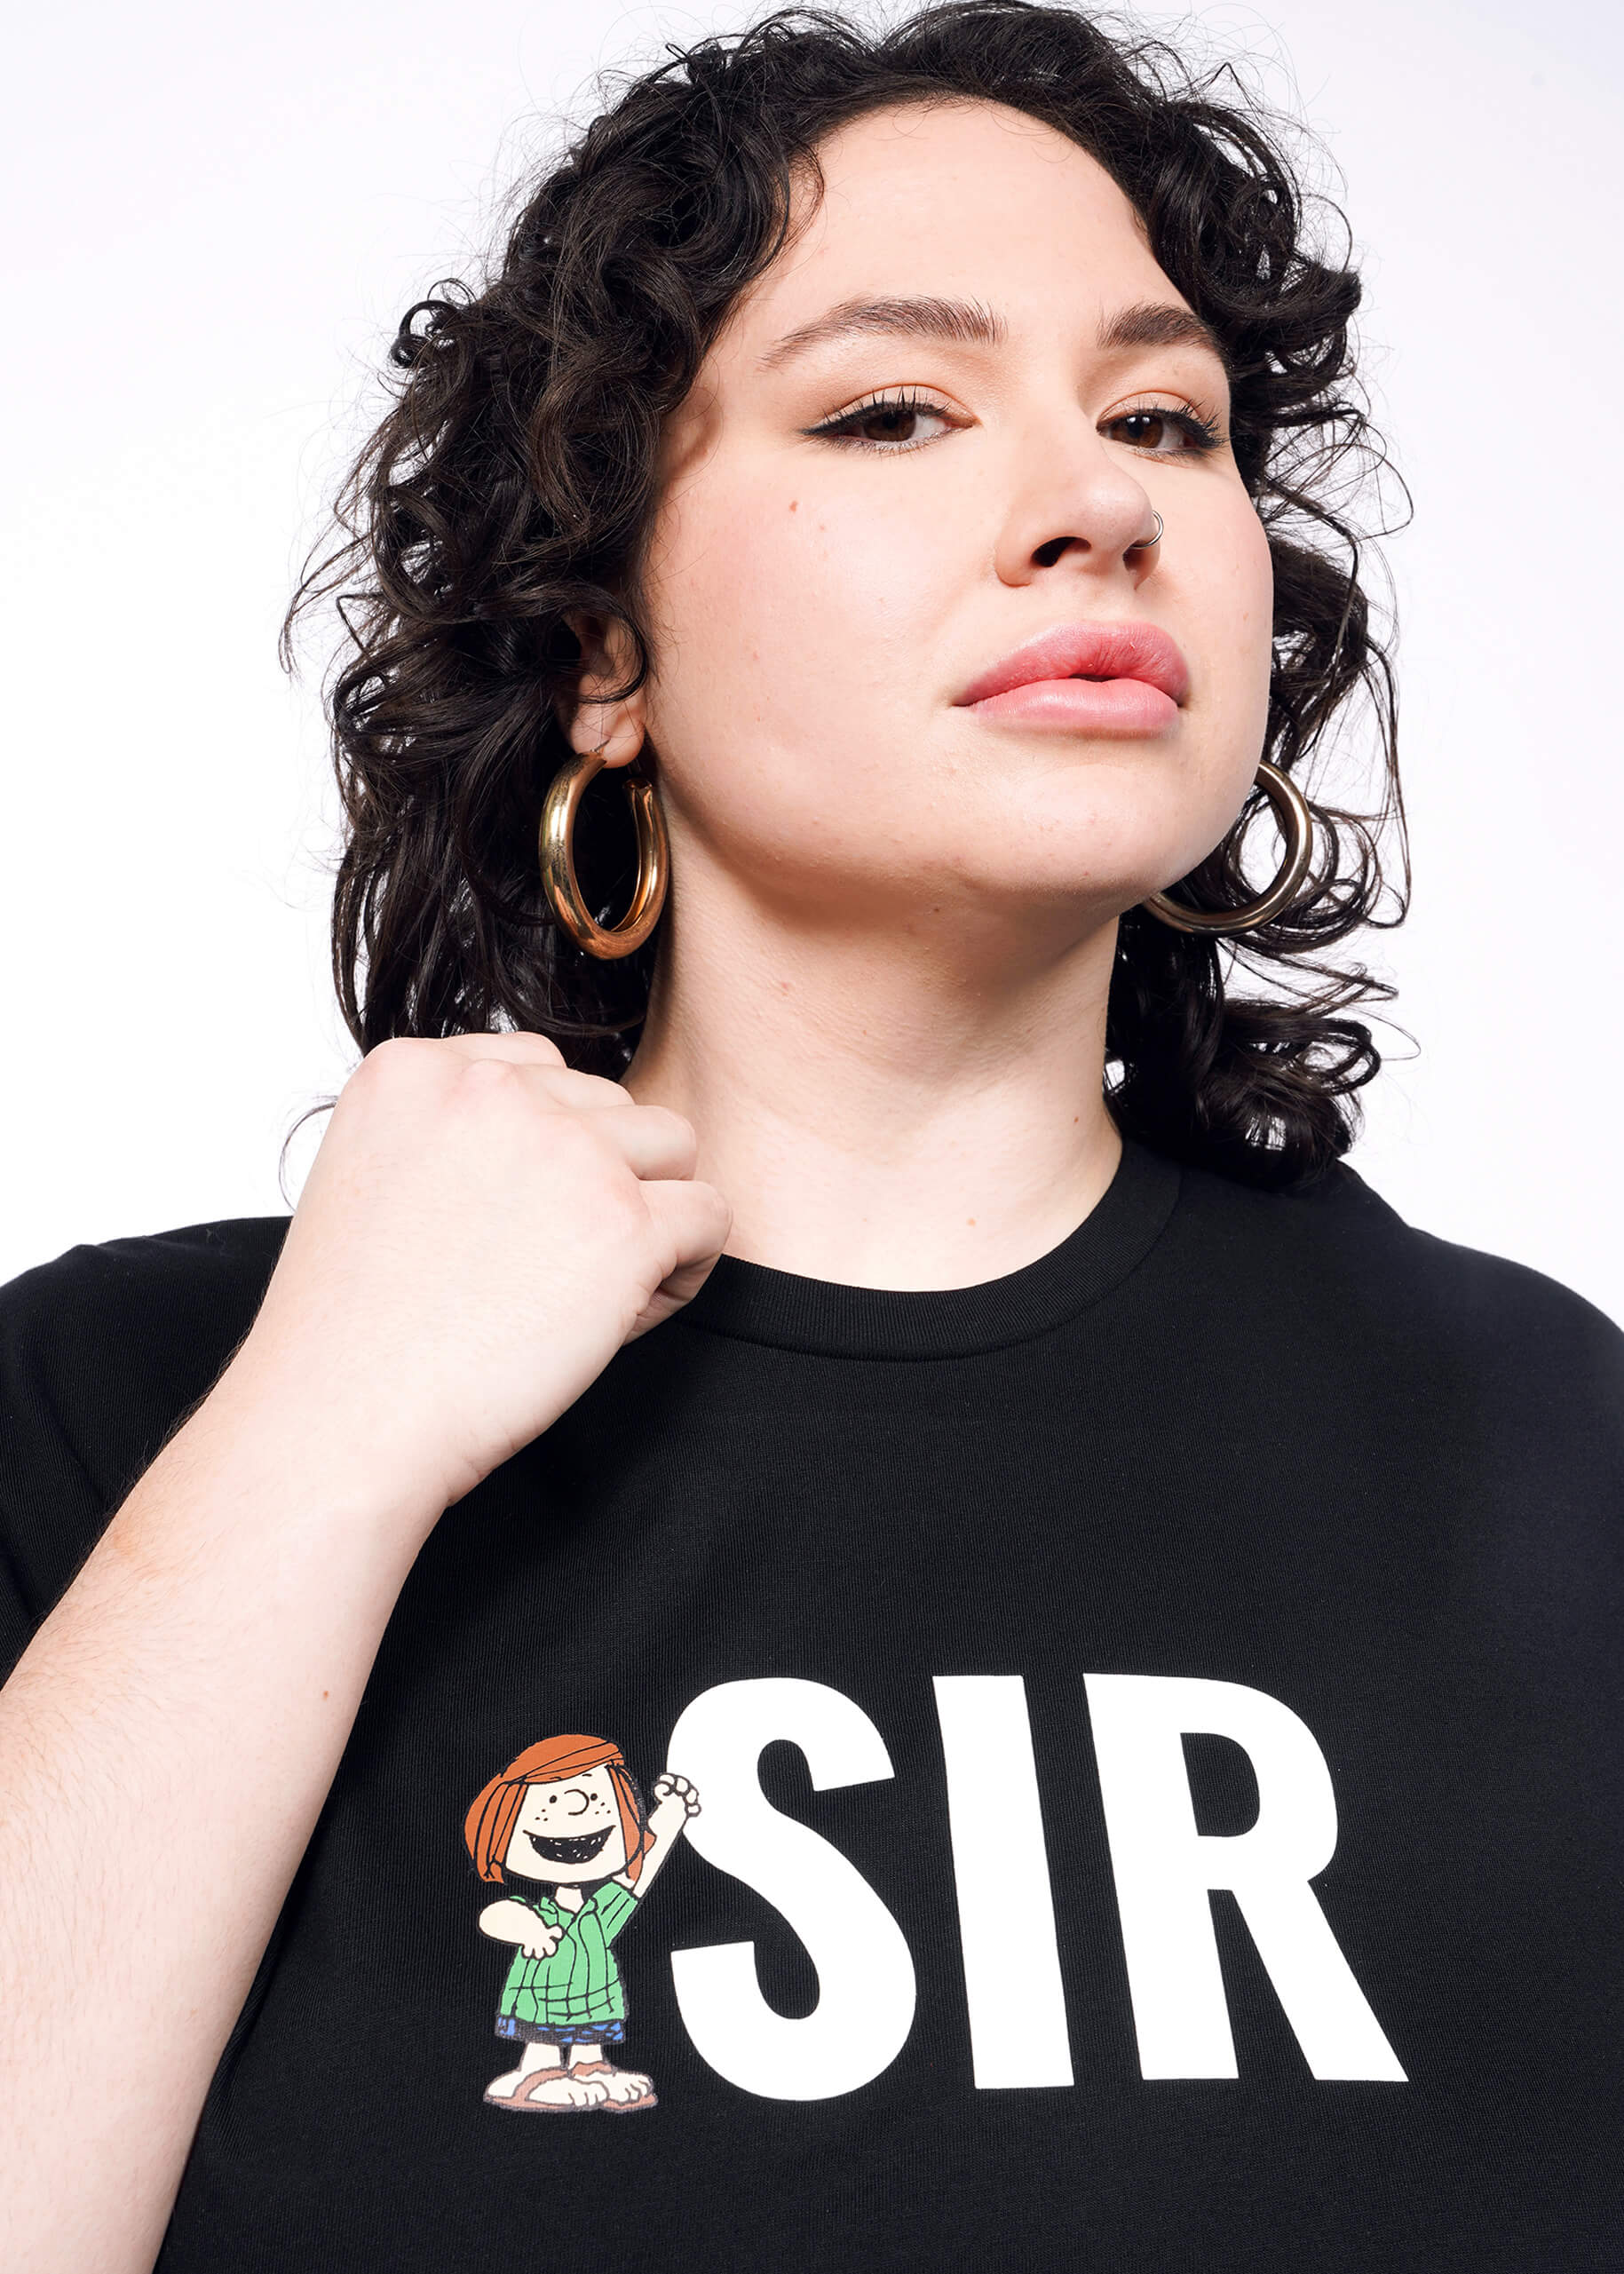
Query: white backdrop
x=215 y=217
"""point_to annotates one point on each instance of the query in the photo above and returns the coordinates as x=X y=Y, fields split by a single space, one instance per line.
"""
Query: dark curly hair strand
x=514 y=478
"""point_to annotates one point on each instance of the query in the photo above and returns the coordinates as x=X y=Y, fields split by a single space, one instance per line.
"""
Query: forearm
x=166 y=1744
x=507 y=1922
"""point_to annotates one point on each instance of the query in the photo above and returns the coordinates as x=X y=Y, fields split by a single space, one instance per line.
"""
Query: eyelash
x=1199 y=428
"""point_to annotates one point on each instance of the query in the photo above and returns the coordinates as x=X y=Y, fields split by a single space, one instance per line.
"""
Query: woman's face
x=859 y=517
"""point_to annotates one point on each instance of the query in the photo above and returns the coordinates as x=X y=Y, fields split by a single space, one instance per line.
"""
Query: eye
x=1161 y=430
x=891 y=423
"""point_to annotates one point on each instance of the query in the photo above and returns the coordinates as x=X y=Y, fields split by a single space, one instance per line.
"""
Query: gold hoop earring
x=559 y=883
x=1296 y=826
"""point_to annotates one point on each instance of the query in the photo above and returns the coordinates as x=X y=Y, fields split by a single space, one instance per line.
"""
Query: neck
x=910 y=1111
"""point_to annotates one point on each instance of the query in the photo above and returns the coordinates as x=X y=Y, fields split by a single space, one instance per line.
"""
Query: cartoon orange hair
x=488 y=1826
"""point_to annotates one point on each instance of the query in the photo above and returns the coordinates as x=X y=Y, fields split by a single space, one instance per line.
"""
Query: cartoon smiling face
x=569 y=1831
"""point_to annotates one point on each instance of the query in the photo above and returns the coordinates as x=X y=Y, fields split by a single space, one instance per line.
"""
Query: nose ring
x=1143 y=544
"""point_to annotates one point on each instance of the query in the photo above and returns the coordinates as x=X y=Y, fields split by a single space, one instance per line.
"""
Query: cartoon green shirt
x=580 y=1985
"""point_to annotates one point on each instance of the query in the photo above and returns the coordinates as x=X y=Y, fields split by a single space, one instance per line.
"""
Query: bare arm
x=166 y=1743
x=481 y=1233
x=508 y=1921
x=675 y=1801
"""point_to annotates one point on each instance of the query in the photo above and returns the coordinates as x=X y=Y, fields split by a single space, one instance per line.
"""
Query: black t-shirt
x=1155 y=1724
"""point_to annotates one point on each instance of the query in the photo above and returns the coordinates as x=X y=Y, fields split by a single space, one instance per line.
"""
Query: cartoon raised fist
x=675 y=1801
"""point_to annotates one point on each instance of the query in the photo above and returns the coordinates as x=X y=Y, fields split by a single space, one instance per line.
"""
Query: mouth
x=1127 y=675
x=571 y=1852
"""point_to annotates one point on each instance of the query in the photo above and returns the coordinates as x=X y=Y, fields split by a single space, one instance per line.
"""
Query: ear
x=607 y=661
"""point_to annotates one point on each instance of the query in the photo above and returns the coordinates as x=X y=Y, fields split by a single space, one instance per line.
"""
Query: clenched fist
x=482 y=1229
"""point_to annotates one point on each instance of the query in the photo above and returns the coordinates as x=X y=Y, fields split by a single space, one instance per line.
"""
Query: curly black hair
x=514 y=478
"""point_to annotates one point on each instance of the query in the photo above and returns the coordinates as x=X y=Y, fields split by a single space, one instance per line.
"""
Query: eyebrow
x=963 y=321
x=968 y=324
x=1156 y=323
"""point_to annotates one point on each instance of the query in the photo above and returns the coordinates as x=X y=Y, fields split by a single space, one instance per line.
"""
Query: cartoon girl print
x=563 y=1827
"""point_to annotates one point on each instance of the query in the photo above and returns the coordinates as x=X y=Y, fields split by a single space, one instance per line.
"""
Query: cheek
x=787 y=620
x=1234 y=600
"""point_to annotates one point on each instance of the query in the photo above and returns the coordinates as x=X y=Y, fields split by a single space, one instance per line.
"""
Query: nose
x=1079 y=510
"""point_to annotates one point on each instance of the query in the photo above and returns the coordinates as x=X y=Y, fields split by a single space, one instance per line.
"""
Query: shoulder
x=113 y=1332
x=102 y=1352
x=1334 y=1268
x=199 y=1263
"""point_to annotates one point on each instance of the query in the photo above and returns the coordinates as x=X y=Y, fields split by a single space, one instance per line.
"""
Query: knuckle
x=482 y=1077
x=392 y=1075
x=581 y=1145
x=620 y=1222
x=675 y=1125
x=599 y=1086
x=382 y=1063
x=474 y=1087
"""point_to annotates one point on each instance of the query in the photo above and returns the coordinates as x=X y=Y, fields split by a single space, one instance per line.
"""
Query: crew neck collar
x=753 y=1303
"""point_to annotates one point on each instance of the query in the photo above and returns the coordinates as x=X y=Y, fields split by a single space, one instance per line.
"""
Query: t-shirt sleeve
x=103 y=1355
x=15 y=1625
x=53 y=1504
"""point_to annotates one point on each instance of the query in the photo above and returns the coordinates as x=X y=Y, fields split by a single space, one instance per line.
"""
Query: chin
x=1070 y=882
x=1116 y=839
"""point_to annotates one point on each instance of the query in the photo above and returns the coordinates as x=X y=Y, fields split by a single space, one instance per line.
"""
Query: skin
x=881 y=993
x=874 y=1054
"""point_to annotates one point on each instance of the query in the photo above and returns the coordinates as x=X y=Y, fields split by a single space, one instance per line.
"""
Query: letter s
x=866 y=1987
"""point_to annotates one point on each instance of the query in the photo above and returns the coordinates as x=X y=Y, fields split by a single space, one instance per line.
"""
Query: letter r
x=1164 y=1869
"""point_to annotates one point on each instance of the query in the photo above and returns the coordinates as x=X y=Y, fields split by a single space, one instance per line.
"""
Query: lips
x=570 y=1851
x=1104 y=654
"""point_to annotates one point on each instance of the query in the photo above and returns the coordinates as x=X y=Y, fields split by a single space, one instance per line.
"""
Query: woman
x=1134 y=1622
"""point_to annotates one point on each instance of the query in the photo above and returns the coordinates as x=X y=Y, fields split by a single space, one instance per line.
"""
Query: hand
x=480 y=1232
x=675 y=1801
x=539 y=1940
